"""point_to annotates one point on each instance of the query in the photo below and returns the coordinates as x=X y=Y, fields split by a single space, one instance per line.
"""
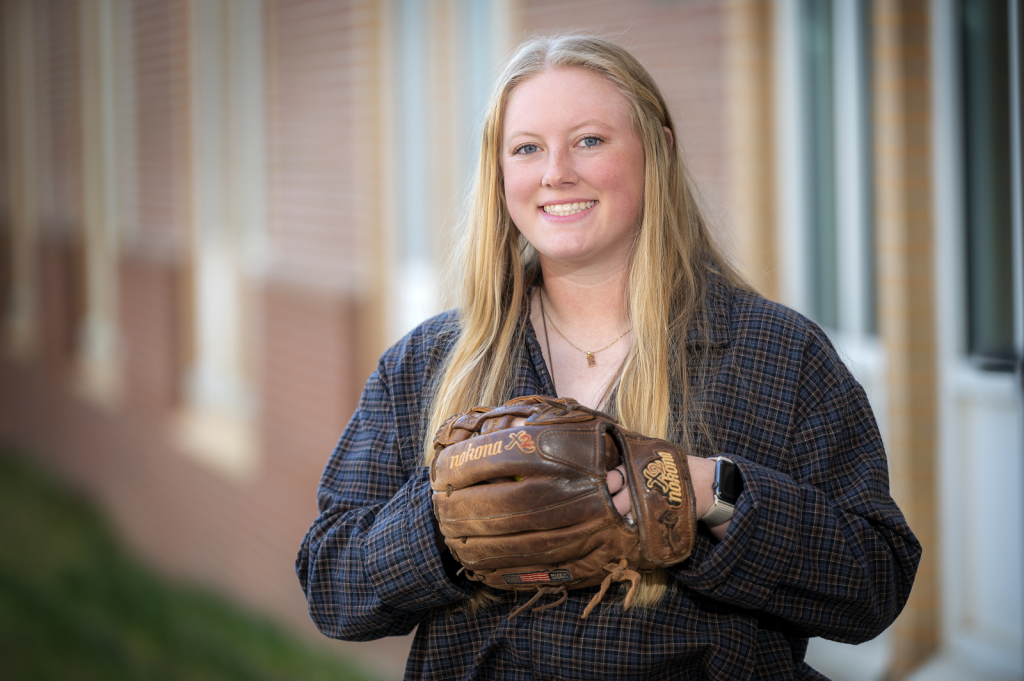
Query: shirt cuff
x=403 y=563
x=760 y=545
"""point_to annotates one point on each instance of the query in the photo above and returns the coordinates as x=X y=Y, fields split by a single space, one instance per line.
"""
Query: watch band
x=719 y=513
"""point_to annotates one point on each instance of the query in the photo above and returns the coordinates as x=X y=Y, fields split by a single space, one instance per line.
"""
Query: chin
x=567 y=255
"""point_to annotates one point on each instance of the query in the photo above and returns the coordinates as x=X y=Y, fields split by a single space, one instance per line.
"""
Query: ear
x=669 y=138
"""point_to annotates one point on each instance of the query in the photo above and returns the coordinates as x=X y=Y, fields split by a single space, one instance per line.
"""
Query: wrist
x=702 y=476
x=726 y=488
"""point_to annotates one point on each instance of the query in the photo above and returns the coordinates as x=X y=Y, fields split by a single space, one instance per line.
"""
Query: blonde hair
x=671 y=258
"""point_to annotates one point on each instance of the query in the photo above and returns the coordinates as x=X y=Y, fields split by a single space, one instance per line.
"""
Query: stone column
x=751 y=144
x=906 y=242
x=98 y=372
x=19 y=312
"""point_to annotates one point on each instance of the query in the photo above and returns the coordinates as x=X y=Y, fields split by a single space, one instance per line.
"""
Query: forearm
x=375 y=571
x=841 y=573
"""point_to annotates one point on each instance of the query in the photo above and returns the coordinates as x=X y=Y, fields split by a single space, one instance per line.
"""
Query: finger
x=622 y=501
x=518 y=421
x=616 y=479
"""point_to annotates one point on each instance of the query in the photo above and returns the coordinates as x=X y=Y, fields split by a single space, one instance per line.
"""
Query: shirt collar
x=716 y=315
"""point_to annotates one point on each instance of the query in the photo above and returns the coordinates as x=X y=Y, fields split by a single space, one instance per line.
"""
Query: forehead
x=560 y=99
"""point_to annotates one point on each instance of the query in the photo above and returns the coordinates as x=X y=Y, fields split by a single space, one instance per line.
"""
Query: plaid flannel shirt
x=817 y=546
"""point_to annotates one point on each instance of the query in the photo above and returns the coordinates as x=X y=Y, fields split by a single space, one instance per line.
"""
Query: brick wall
x=158 y=50
x=322 y=78
x=186 y=520
x=151 y=323
x=61 y=301
x=305 y=339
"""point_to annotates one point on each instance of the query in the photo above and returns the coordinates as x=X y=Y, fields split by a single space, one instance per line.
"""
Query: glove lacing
x=616 y=573
x=541 y=592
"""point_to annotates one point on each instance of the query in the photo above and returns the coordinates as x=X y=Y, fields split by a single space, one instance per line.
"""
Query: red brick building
x=215 y=215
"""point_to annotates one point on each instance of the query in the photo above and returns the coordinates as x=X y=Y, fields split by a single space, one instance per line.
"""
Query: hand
x=702 y=474
x=620 y=491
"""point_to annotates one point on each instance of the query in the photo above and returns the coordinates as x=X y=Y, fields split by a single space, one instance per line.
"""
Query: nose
x=560 y=170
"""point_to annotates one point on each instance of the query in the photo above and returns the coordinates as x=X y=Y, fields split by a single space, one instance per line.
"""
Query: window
x=988 y=240
x=837 y=243
x=816 y=57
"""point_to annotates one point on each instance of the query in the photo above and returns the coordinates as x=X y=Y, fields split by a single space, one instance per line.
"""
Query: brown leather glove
x=528 y=507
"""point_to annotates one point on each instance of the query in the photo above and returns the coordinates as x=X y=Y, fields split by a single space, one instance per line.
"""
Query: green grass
x=74 y=606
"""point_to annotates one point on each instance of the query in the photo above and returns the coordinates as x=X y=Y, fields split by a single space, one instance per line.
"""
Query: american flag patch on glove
x=541 y=576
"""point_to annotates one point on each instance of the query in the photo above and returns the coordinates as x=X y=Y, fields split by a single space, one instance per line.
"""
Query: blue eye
x=590 y=141
x=527 y=149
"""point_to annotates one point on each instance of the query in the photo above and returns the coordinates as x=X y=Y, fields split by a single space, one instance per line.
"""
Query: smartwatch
x=727 y=486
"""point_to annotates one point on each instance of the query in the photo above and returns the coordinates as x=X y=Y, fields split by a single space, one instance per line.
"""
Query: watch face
x=728 y=483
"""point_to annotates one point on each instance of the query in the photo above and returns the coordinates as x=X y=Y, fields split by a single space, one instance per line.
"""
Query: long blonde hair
x=671 y=258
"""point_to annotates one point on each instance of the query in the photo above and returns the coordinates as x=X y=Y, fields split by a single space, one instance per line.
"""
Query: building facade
x=215 y=214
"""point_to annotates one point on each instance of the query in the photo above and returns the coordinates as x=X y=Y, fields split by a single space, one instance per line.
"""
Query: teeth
x=563 y=209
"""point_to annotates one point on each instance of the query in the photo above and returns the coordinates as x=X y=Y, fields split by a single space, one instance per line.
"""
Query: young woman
x=588 y=272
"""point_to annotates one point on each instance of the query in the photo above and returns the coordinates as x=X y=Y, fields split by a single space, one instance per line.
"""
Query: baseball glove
x=528 y=507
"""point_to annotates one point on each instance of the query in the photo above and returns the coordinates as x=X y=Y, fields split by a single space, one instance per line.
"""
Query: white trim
x=228 y=185
x=868 y=661
x=862 y=353
x=99 y=335
x=950 y=667
x=948 y=211
x=247 y=133
x=228 y=189
x=20 y=311
x=963 y=391
x=852 y=216
x=214 y=380
x=126 y=122
x=791 y=159
x=416 y=121
x=1017 y=182
x=431 y=196
x=415 y=274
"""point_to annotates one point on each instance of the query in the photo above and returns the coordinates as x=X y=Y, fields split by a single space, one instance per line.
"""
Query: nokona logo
x=661 y=475
x=519 y=439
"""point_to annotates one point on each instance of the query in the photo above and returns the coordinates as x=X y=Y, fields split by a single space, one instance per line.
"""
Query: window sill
x=223 y=443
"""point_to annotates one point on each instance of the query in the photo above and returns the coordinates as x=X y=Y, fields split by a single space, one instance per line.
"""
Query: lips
x=563 y=209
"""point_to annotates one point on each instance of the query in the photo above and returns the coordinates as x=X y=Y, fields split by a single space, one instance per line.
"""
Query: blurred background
x=216 y=214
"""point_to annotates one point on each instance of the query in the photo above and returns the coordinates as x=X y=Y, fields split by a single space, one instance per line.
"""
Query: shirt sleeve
x=822 y=544
x=369 y=565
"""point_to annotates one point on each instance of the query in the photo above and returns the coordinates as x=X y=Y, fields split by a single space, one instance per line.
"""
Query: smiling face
x=573 y=168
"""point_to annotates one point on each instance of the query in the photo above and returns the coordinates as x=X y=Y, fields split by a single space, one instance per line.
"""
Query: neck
x=593 y=303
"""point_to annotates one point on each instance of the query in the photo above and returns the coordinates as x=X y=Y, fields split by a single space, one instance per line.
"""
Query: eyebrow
x=583 y=124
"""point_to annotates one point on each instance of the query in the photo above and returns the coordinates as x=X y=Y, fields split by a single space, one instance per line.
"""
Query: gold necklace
x=591 y=361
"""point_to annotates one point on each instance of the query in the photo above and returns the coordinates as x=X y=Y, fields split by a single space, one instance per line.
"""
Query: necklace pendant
x=591 y=362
